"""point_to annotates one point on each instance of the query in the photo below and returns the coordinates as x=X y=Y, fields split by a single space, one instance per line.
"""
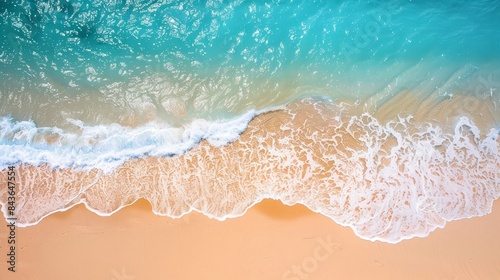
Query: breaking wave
x=388 y=181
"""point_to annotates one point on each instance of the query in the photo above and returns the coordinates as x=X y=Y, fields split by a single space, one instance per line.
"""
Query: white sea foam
x=397 y=180
x=108 y=147
x=387 y=181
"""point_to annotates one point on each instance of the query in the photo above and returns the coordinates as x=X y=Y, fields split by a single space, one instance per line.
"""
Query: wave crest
x=108 y=147
x=387 y=182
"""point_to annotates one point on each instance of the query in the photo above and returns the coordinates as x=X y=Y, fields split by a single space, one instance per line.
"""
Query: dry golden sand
x=266 y=243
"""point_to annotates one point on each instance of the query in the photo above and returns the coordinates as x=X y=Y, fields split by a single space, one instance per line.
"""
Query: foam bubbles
x=397 y=180
x=388 y=181
x=106 y=147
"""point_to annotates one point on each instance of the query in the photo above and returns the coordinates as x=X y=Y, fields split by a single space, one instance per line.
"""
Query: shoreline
x=271 y=241
x=316 y=155
x=443 y=114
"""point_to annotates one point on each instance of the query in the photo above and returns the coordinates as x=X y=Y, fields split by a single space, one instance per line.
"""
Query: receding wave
x=106 y=147
x=388 y=180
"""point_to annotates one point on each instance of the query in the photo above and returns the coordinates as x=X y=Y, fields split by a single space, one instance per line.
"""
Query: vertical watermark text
x=11 y=218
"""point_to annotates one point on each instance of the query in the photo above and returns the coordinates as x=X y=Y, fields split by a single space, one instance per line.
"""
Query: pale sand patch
x=266 y=243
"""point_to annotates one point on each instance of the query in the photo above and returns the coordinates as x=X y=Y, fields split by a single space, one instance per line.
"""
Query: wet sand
x=271 y=241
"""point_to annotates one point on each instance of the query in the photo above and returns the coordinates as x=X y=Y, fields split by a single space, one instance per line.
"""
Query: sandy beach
x=271 y=241
x=249 y=140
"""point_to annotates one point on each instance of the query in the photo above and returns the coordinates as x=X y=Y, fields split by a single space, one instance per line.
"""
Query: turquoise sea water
x=113 y=80
x=224 y=57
